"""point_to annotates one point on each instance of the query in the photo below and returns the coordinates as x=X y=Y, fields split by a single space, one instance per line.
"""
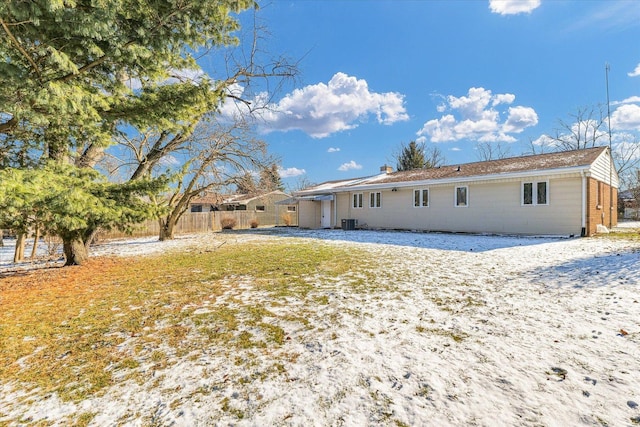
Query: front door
x=326 y=214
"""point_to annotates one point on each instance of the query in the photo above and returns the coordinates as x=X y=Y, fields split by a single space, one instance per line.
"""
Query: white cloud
x=478 y=119
x=635 y=73
x=545 y=141
x=352 y=165
x=630 y=100
x=505 y=98
x=513 y=7
x=290 y=172
x=626 y=117
x=456 y=149
x=333 y=150
x=519 y=119
x=323 y=109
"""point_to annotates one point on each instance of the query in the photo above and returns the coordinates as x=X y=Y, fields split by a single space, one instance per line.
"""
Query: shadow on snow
x=460 y=242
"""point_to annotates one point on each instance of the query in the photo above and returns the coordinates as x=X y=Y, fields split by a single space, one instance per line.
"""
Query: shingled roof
x=539 y=162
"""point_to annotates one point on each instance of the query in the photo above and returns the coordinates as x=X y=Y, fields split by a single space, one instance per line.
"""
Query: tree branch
x=19 y=47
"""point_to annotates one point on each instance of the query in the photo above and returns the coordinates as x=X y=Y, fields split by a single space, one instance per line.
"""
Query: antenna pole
x=610 y=150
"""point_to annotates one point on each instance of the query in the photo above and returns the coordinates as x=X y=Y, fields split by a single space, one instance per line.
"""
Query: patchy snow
x=460 y=330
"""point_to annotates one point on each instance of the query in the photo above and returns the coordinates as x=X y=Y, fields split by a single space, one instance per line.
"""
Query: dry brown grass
x=75 y=331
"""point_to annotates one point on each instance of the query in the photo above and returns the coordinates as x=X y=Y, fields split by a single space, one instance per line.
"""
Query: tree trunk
x=34 y=250
x=167 y=231
x=21 y=241
x=75 y=252
x=90 y=235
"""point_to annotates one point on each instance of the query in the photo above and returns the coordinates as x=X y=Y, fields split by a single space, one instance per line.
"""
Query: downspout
x=584 y=204
x=335 y=210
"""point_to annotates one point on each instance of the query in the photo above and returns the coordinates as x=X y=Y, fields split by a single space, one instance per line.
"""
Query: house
x=237 y=202
x=562 y=193
x=267 y=208
x=206 y=203
x=628 y=203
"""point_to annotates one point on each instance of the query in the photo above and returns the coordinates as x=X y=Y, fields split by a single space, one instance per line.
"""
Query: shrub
x=228 y=222
x=254 y=223
x=286 y=218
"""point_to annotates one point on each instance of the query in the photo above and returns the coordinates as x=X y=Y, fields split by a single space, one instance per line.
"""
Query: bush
x=228 y=222
x=254 y=223
x=286 y=218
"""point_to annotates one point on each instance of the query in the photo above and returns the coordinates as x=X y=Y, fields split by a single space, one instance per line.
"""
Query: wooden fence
x=202 y=222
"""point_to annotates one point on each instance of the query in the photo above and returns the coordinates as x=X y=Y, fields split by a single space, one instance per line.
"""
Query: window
x=420 y=198
x=375 y=200
x=534 y=193
x=542 y=193
x=461 y=197
x=291 y=208
x=196 y=208
x=259 y=208
x=357 y=201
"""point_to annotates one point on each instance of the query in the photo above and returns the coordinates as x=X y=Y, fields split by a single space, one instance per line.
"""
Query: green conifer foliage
x=73 y=72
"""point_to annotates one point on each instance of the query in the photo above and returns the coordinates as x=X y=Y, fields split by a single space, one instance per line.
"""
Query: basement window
x=260 y=209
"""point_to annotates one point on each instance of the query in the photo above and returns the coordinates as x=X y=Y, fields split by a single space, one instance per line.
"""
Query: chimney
x=386 y=169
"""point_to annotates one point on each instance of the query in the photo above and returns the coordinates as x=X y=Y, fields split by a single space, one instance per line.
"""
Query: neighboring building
x=628 y=204
x=267 y=208
x=563 y=193
x=206 y=203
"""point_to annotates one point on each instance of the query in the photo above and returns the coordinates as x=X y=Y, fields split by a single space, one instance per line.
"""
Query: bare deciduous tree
x=492 y=151
x=219 y=155
x=586 y=128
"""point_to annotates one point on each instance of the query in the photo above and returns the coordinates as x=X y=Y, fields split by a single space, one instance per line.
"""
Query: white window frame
x=291 y=208
x=420 y=199
x=357 y=200
x=466 y=195
x=375 y=199
x=534 y=193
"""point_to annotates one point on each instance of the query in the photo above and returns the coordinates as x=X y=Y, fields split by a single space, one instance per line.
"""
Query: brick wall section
x=598 y=208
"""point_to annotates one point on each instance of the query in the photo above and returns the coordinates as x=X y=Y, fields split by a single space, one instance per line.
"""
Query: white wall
x=492 y=208
x=601 y=168
x=309 y=215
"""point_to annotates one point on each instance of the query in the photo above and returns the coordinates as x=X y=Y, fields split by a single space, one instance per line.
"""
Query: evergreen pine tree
x=411 y=156
x=270 y=179
x=75 y=65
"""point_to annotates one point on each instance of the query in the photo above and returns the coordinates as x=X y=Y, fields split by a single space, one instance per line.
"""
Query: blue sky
x=375 y=74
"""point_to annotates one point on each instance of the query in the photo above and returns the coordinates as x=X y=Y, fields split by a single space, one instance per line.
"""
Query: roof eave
x=465 y=179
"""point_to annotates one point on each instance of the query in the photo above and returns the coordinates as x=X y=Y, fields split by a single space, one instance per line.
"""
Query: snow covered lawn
x=428 y=329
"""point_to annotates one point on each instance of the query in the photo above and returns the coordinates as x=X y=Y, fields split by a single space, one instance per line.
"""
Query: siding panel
x=492 y=208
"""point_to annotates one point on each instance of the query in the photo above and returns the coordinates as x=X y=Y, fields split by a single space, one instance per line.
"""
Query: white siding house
x=564 y=193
